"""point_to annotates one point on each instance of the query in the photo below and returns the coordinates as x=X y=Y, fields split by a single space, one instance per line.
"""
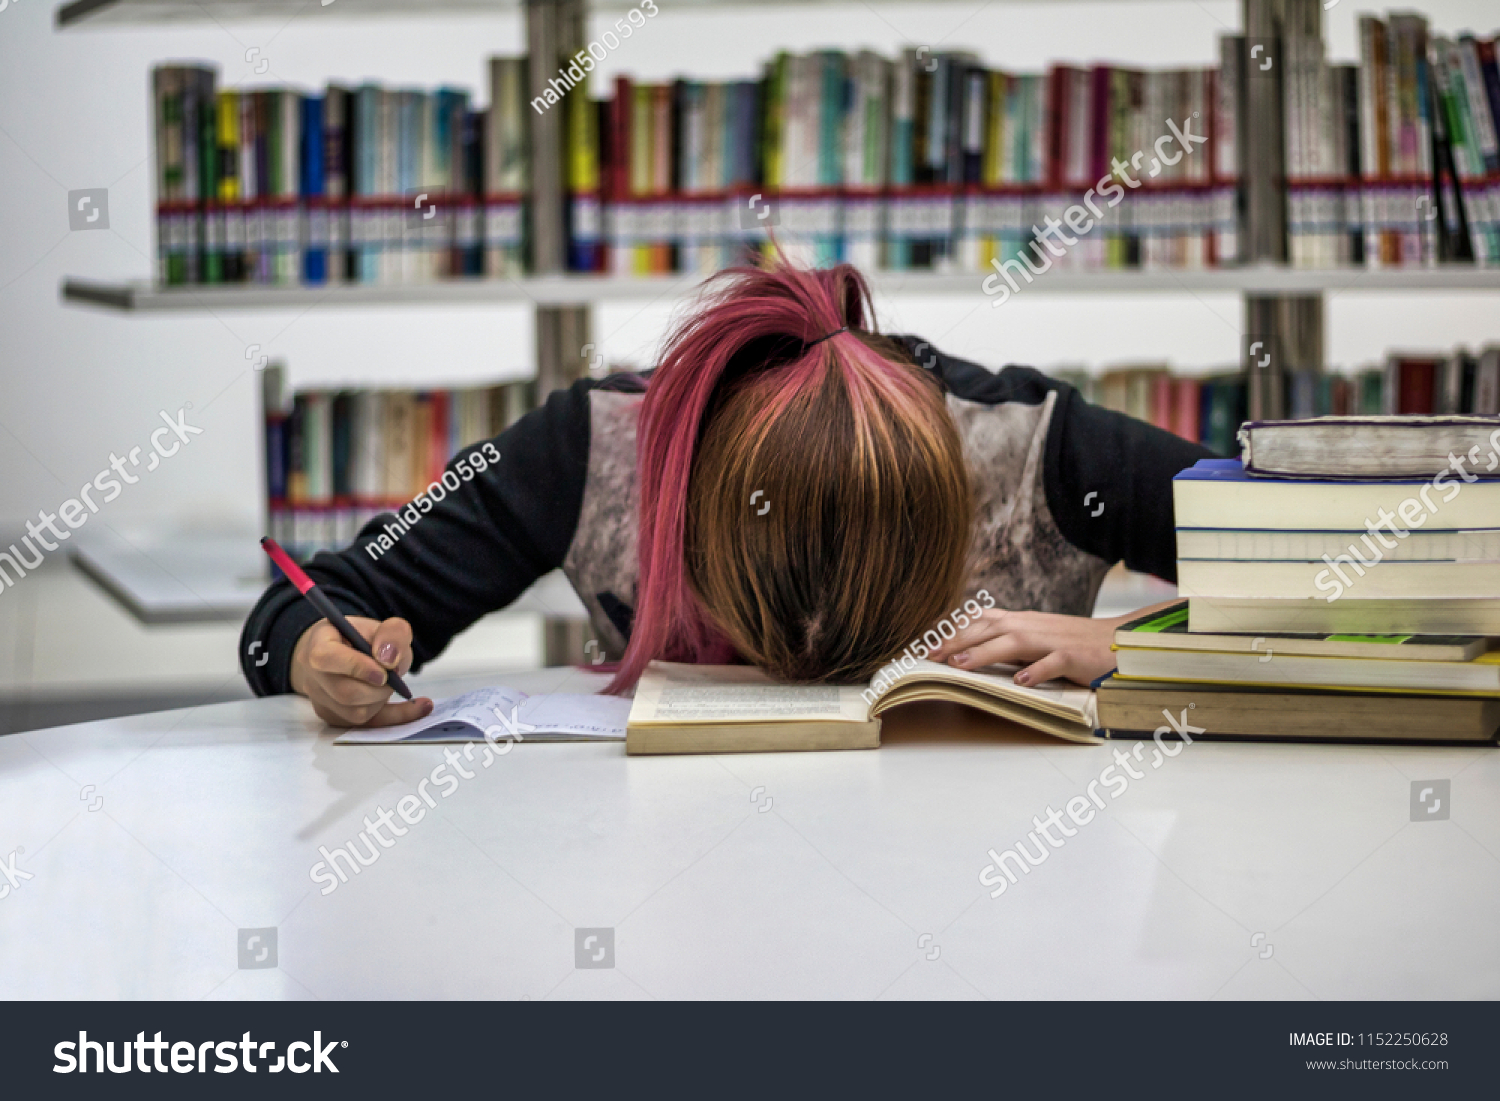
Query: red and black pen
x=330 y=610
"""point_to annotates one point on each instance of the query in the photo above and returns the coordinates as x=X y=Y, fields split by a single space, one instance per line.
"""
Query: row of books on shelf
x=1392 y=161
x=1210 y=408
x=918 y=162
x=337 y=458
x=362 y=185
x=927 y=160
x=1342 y=581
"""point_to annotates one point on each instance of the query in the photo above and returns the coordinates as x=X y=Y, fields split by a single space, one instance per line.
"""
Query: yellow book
x=583 y=140
x=994 y=136
x=229 y=144
x=775 y=114
x=640 y=168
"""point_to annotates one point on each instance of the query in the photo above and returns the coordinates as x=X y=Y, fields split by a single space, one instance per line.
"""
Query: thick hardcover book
x=1218 y=493
x=1155 y=709
x=1233 y=615
x=738 y=709
x=1356 y=573
x=1381 y=447
x=1481 y=675
x=1270 y=545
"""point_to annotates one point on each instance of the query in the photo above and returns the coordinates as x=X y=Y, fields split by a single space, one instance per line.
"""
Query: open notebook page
x=670 y=692
x=557 y=717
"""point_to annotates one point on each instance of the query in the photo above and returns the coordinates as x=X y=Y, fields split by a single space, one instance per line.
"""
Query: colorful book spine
x=182 y=94
x=506 y=169
x=316 y=237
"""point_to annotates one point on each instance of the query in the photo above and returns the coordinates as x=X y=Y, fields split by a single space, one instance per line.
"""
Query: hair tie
x=827 y=336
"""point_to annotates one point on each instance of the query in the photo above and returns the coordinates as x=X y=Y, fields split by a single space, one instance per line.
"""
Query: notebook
x=507 y=714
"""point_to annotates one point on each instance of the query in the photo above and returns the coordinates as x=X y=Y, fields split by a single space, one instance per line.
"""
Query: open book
x=738 y=709
x=509 y=714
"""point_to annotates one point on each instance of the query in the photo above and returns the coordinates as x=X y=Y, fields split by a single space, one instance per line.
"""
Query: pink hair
x=742 y=304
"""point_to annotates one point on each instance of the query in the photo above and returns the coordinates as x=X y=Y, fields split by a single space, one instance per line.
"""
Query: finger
x=343 y=717
x=391 y=643
x=363 y=624
x=988 y=624
x=337 y=657
x=394 y=714
x=1010 y=649
x=348 y=692
x=1048 y=668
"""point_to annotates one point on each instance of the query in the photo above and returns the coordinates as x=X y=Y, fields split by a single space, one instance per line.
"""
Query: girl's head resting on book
x=805 y=504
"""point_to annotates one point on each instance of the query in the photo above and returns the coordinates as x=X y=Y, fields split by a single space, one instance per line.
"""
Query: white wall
x=77 y=383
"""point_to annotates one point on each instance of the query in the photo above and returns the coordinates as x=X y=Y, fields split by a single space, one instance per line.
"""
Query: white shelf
x=202 y=579
x=563 y=290
x=122 y=13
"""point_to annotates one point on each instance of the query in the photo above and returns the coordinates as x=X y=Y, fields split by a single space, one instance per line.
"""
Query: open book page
x=671 y=692
x=1056 y=697
x=507 y=713
x=575 y=716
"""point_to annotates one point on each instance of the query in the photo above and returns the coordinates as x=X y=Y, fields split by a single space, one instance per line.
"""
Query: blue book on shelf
x=315 y=213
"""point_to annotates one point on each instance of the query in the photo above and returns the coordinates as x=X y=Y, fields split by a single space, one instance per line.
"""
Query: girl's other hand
x=1047 y=645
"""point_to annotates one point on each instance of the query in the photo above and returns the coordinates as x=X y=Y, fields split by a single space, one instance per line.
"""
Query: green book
x=1167 y=629
x=1372 y=392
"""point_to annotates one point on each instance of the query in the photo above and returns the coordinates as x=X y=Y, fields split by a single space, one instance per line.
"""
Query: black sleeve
x=1127 y=464
x=474 y=552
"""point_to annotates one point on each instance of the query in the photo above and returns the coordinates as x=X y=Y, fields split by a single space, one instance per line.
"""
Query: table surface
x=153 y=843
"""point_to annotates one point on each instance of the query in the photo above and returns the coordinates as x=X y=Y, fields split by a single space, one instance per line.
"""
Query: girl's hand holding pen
x=347 y=688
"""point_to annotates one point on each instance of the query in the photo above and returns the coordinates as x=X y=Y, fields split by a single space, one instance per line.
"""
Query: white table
x=1232 y=871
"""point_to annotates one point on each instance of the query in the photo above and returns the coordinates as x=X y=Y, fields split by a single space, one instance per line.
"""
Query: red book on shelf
x=616 y=176
x=1059 y=112
x=437 y=440
x=1186 y=402
x=1099 y=159
x=1161 y=401
x=619 y=144
x=663 y=156
x=1412 y=381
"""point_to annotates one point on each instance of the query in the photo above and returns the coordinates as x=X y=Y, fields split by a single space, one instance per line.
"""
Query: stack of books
x=1342 y=582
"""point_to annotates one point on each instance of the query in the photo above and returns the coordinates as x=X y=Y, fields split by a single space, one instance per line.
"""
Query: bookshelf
x=89 y=14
